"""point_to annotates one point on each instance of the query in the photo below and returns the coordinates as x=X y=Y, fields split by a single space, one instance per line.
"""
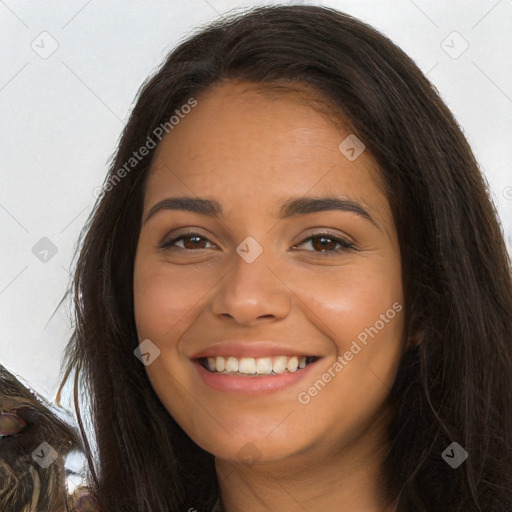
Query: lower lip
x=253 y=384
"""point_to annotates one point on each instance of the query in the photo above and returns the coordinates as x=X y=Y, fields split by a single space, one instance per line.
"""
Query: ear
x=11 y=424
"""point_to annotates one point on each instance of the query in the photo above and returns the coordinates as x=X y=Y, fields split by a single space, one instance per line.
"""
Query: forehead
x=251 y=145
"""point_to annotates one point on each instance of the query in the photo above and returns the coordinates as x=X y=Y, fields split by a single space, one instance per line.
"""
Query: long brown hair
x=455 y=382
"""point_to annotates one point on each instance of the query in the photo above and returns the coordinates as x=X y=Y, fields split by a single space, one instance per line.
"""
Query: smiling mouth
x=255 y=366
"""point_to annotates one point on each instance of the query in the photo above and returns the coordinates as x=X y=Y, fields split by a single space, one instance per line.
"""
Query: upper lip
x=249 y=349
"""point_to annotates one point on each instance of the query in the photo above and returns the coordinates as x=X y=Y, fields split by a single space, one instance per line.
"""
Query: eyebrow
x=290 y=208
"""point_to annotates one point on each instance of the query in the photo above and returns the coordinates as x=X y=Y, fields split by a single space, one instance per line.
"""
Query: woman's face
x=269 y=276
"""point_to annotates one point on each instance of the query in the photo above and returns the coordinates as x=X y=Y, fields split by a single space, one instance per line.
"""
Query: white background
x=61 y=117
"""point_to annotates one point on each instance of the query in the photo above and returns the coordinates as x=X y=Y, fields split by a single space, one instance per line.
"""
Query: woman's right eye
x=195 y=237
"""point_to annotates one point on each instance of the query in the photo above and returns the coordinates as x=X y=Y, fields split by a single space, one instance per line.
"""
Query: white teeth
x=247 y=365
x=293 y=364
x=256 y=366
x=279 y=364
x=232 y=364
x=264 y=365
x=220 y=364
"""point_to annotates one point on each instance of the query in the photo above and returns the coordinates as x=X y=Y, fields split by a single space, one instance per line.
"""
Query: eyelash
x=345 y=244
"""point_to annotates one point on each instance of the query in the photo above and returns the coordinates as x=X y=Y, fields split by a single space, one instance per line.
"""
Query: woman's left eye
x=326 y=241
x=324 y=244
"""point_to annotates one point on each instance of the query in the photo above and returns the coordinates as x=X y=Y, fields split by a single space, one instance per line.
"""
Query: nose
x=252 y=292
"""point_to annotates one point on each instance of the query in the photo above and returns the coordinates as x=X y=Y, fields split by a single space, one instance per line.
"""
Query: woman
x=293 y=292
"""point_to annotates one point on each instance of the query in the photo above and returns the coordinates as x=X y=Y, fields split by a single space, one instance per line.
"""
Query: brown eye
x=323 y=243
x=191 y=241
x=326 y=243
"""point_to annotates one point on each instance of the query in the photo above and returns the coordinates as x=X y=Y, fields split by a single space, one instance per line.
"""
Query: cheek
x=360 y=311
x=153 y=306
x=162 y=299
x=353 y=298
